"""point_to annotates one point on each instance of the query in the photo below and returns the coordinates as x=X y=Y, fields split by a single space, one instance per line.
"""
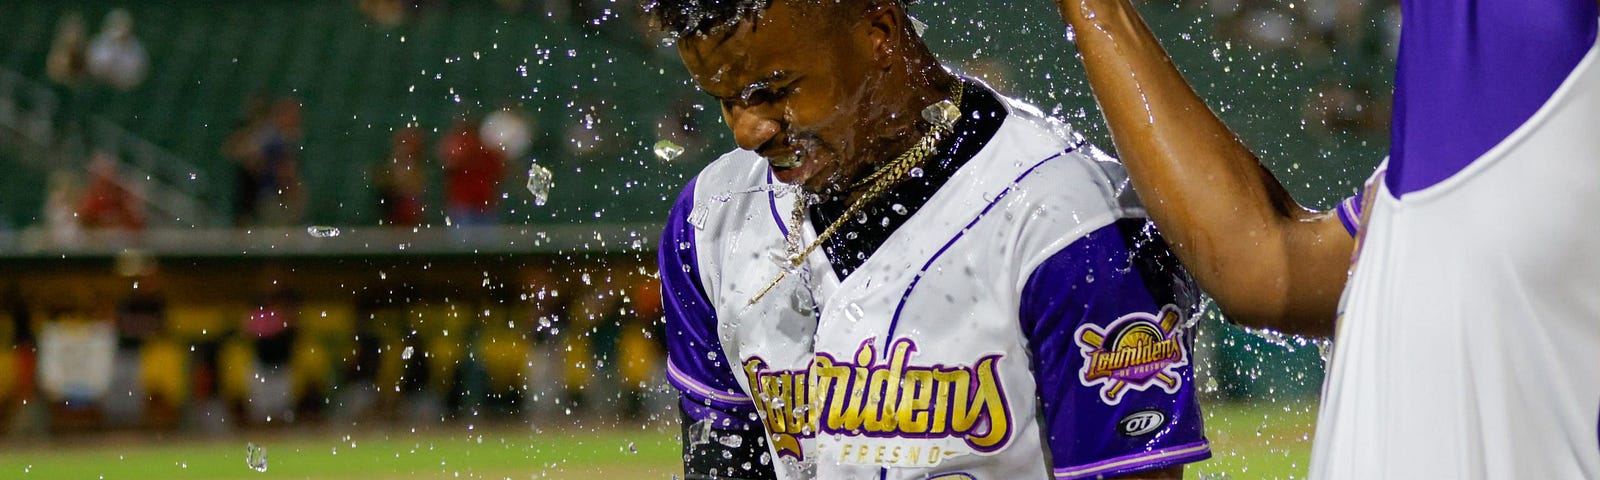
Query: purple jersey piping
x=772 y=201
x=1169 y=455
x=924 y=270
x=689 y=384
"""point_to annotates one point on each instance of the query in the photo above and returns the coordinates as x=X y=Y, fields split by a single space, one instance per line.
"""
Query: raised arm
x=1266 y=260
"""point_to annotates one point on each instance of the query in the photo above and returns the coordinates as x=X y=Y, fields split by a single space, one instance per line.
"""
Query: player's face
x=796 y=87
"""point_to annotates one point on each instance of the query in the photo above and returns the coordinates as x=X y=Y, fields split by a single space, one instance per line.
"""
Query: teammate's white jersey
x=1006 y=330
x=1468 y=344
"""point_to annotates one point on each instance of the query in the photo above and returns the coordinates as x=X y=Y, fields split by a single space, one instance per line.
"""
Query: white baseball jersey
x=1468 y=344
x=1022 y=321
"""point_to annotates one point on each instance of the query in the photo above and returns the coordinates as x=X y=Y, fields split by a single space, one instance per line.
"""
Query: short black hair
x=690 y=18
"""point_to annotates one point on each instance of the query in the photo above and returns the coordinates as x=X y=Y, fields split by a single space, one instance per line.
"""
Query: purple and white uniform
x=1468 y=344
x=1007 y=312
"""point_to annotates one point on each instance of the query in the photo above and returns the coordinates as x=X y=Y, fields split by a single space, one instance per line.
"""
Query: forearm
x=1232 y=224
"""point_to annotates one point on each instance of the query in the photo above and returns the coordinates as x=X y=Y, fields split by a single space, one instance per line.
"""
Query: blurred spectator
x=17 y=377
x=115 y=56
x=141 y=317
x=109 y=203
x=271 y=328
x=400 y=181
x=68 y=61
x=641 y=347
x=243 y=150
x=473 y=172
x=282 y=191
x=61 y=208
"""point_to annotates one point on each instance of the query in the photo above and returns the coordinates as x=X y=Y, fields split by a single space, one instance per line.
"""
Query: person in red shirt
x=473 y=172
x=107 y=203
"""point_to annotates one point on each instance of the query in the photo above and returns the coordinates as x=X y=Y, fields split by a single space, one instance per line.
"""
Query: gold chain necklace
x=942 y=115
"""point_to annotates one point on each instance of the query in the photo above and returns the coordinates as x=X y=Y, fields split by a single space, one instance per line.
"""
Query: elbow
x=1281 y=309
x=1265 y=298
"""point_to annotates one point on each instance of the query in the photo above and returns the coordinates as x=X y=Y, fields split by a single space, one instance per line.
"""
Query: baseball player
x=902 y=274
x=1468 y=334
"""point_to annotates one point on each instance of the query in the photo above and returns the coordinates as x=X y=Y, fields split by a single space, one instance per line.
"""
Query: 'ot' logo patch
x=1134 y=352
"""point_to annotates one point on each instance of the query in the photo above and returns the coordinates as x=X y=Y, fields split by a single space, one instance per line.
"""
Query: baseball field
x=1249 y=441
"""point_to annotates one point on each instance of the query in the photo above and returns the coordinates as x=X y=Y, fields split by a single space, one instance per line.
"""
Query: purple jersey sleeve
x=1105 y=324
x=1470 y=72
x=695 y=363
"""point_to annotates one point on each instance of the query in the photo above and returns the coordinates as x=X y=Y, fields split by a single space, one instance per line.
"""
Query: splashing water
x=539 y=182
x=322 y=231
x=667 y=151
x=255 y=457
x=700 y=433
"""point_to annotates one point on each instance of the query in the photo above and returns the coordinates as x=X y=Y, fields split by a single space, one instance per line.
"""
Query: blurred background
x=309 y=228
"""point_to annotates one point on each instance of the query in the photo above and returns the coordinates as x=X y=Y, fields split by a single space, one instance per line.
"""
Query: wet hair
x=695 y=18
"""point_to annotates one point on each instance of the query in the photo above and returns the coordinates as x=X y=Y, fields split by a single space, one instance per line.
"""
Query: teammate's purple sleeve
x=1350 y=212
x=1471 y=72
x=695 y=363
x=1351 y=209
x=1111 y=356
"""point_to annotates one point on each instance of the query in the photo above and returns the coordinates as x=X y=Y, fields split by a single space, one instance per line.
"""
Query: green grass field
x=1249 y=441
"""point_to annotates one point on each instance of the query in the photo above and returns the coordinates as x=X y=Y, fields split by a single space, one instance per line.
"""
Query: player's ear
x=881 y=20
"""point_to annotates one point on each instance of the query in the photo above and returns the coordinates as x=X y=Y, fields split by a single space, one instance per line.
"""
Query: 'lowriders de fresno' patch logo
x=1134 y=352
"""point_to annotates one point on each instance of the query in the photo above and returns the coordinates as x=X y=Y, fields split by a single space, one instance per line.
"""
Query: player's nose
x=750 y=129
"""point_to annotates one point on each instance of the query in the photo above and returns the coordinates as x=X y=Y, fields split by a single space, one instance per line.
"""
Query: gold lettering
x=988 y=403
x=912 y=415
x=1103 y=364
x=771 y=387
x=944 y=382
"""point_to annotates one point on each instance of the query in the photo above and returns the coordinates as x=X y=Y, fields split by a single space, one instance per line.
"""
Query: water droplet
x=322 y=231
x=406 y=354
x=632 y=449
x=854 y=312
x=539 y=182
x=700 y=432
x=711 y=355
x=697 y=217
x=915 y=172
x=732 y=441
x=255 y=457
x=898 y=208
x=667 y=151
